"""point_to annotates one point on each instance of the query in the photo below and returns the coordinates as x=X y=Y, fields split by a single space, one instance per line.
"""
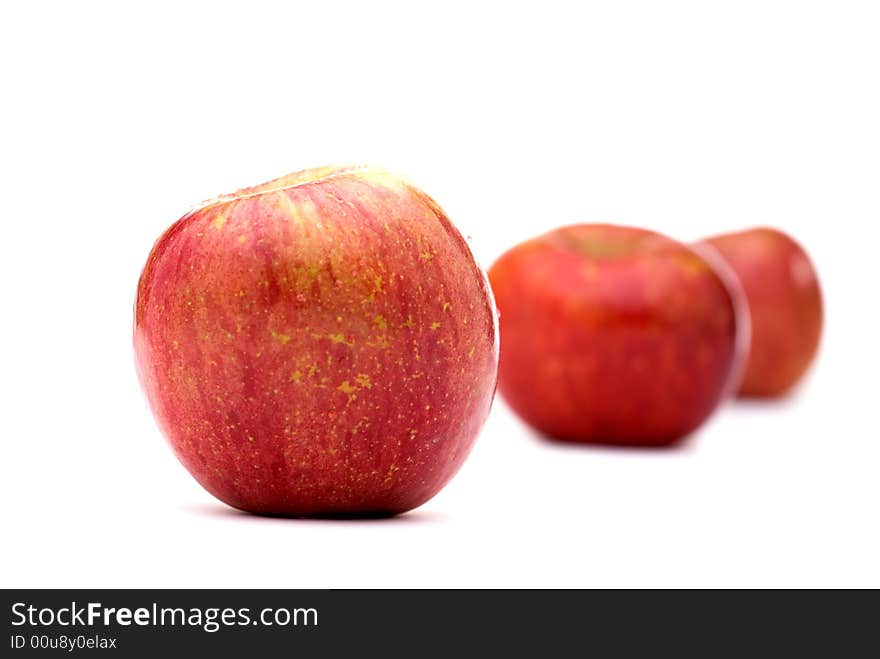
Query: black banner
x=411 y=623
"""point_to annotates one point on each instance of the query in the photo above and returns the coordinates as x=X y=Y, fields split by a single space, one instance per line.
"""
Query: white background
x=685 y=117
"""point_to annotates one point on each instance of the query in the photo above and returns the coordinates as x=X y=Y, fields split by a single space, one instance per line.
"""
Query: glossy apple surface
x=613 y=335
x=785 y=301
x=320 y=344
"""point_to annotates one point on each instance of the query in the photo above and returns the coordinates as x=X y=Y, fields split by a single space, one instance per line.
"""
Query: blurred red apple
x=323 y=343
x=614 y=335
x=785 y=302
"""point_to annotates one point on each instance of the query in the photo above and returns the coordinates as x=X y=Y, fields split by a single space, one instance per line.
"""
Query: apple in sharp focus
x=320 y=344
x=785 y=302
x=614 y=335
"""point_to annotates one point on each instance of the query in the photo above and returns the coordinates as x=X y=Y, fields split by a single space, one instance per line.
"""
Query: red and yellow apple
x=320 y=344
x=785 y=302
x=614 y=335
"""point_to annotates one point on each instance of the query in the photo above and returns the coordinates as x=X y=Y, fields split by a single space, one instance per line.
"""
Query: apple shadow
x=681 y=445
x=223 y=511
x=764 y=403
x=788 y=398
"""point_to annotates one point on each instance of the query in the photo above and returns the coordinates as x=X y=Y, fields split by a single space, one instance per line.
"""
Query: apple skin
x=785 y=302
x=614 y=335
x=321 y=344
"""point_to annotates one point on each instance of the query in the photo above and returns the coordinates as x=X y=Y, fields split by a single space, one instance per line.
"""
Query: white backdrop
x=685 y=117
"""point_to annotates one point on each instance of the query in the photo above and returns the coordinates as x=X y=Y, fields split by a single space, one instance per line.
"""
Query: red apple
x=614 y=335
x=785 y=302
x=323 y=343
